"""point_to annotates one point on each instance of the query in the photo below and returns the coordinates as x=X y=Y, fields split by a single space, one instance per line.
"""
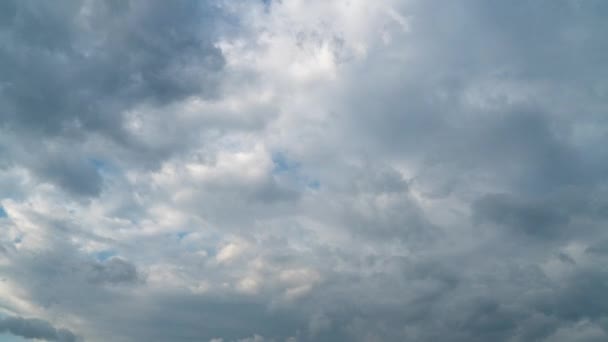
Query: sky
x=293 y=171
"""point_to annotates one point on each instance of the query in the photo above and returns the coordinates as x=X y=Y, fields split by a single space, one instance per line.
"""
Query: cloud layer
x=391 y=170
x=35 y=328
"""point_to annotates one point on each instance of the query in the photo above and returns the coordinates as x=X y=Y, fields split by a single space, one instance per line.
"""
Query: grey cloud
x=62 y=70
x=113 y=271
x=272 y=191
x=598 y=247
x=424 y=114
x=580 y=297
x=72 y=68
x=528 y=217
x=32 y=328
x=77 y=176
x=446 y=183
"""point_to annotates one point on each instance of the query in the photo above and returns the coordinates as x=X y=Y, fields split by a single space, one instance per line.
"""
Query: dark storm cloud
x=32 y=328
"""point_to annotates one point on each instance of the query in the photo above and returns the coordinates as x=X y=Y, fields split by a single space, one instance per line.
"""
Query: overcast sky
x=343 y=170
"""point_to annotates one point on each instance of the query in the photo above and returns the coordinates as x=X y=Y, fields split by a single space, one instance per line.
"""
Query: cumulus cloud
x=76 y=69
x=303 y=170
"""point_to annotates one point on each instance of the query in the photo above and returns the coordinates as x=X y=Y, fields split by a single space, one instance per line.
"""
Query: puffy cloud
x=74 y=70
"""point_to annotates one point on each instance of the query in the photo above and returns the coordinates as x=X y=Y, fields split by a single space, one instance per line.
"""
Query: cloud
x=75 y=69
x=32 y=328
x=114 y=271
x=312 y=171
x=530 y=218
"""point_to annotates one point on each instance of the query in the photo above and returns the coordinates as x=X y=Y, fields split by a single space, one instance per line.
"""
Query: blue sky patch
x=314 y=184
x=103 y=166
x=104 y=255
x=283 y=164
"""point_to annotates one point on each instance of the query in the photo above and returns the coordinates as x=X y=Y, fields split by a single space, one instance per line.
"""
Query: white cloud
x=230 y=252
